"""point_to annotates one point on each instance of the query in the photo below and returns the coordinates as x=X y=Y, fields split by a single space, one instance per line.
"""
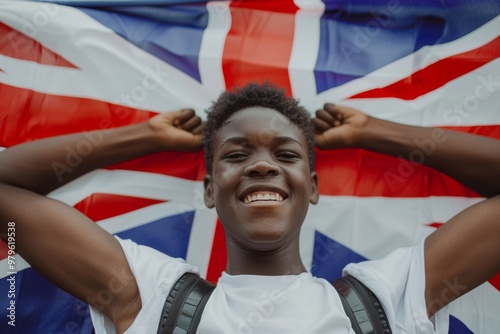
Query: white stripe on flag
x=201 y=239
x=478 y=309
x=305 y=48
x=5 y=271
x=212 y=48
x=129 y=183
x=472 y=99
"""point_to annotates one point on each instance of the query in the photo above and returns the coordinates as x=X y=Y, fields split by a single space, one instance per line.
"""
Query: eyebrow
x=245 y=142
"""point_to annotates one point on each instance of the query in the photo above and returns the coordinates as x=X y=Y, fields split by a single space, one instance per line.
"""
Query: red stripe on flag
x=354 y=172
x=190 y=166
x=248 y=57
x=17 y=45
x=28 y=115
x=437 y=74
x=218 y=257
x=99 y=206
x=278 y=6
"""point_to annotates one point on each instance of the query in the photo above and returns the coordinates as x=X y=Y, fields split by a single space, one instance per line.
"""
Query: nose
x=262 y=168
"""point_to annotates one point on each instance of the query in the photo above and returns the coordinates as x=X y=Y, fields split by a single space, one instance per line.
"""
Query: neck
x=275 y=262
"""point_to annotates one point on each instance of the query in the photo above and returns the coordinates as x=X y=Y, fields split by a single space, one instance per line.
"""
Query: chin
x=266 y=240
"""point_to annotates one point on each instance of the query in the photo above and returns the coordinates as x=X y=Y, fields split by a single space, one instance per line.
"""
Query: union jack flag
x=93 y=65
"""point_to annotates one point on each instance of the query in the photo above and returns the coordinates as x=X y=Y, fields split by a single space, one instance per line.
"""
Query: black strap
x=184 y=305
x=362 y=307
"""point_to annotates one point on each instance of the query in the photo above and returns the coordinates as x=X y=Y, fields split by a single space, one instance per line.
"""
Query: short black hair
x=256 y=95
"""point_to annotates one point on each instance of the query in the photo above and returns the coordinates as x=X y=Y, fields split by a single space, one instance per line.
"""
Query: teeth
x=262 y=196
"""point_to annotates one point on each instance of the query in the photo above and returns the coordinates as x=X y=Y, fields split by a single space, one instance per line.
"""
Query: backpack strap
x=362 y=307
x=184 y=306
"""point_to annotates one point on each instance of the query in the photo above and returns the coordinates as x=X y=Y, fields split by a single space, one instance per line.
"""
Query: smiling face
x=261 y=184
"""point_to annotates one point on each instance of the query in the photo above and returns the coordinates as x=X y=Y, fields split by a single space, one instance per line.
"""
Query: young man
x=259 y=148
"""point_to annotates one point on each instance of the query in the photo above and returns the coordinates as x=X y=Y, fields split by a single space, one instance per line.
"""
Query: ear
x=314 y=195
x=208 y=197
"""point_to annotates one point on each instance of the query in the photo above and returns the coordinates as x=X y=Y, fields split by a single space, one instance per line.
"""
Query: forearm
x=472 y=160
x=44 y=165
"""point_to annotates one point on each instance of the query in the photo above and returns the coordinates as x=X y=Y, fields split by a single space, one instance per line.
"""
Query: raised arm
x=464 y=252
x=60 y=242
x=472 y=160
x=44 y=165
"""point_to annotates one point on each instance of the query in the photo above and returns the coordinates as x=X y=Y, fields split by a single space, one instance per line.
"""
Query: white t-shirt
x=282 y=304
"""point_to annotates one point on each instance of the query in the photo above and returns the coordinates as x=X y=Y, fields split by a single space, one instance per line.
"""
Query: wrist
x=367 y=133
x=154 y=135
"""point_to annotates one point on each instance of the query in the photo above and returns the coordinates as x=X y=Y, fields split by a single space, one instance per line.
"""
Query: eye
x=235 y=156
x=287 y=156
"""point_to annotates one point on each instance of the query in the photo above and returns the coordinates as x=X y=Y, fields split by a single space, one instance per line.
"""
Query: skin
x=26 y=176
x=262 y=237
x=463 y=252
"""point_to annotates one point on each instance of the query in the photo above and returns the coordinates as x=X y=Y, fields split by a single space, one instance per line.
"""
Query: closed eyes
x=285 y=156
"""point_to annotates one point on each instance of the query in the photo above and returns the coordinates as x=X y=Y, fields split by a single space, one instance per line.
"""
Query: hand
x=338 y=126
x=179 y=130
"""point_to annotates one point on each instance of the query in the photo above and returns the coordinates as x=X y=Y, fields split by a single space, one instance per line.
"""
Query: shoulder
x=155 y=273
x=398 y=281
x=150 y=266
